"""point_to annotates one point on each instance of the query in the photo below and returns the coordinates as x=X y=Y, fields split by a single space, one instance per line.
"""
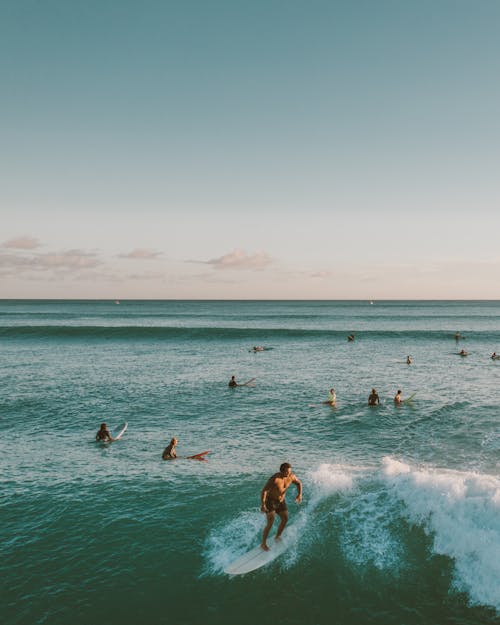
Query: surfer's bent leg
x=284 y=520
x=270 y=520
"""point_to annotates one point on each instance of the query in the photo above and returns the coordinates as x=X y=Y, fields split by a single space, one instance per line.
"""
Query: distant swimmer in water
x=169 y=452
x=257 y=348
x=332 y=397
x=351 y=337
x=463 y=353
x=373 y=399
x=397 y=399
x=103 y=436
x=273 y=502
x=232 y=381
x=409 y=360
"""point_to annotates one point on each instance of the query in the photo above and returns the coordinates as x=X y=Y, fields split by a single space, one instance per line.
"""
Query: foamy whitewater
x=400 y=521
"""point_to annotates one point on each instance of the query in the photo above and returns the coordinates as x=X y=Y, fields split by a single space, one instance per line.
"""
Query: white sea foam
x=461 y=511
x=232 y=539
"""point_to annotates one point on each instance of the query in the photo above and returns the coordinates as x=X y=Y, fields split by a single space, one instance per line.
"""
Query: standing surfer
x=273 y=500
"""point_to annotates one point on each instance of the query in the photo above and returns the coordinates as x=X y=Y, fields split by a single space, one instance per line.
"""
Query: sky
x=224 y=149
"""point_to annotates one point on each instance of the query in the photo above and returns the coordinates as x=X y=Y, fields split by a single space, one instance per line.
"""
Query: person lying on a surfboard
x=169 y=452
x=103 y=435
x=397 y=399
x=273 y=501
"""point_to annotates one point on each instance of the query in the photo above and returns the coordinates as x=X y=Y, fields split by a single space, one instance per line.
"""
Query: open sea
x=400 y=521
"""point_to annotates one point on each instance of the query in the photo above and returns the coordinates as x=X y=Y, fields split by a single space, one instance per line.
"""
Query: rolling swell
x=141 y=332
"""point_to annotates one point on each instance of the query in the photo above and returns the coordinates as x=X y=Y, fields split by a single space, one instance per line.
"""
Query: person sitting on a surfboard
x=232 y=381
x=408 y=360
x=332 y=398
x=103 y=436
x=351 y=337
x=373 y=399
x=273 y=501
x=169 y=452
x=397 y=399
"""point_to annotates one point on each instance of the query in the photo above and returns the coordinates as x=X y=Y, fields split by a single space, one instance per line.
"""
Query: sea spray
x=461 y=512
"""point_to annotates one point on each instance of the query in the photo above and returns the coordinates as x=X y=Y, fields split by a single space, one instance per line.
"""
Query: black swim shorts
x=275 y=505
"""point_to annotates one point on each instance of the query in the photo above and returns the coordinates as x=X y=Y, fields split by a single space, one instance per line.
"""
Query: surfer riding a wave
x=273 y=500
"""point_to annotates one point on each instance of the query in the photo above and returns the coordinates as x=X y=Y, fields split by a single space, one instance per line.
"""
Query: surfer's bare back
x=273 y=500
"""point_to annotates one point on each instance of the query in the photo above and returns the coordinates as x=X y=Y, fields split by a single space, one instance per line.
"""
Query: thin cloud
x=141 y=254
x=239 y=259
x=70 y=260
x=22 y=243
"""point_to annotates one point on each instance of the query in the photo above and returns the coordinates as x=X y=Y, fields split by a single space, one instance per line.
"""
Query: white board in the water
x=119 y=431
x=248 y=382
x=257 y=557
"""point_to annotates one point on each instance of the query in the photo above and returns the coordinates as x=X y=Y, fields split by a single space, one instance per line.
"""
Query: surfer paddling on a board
x=169 y=452
x=273 y=500
x=103 y=435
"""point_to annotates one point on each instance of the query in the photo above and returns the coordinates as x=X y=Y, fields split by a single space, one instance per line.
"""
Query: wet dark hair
x=284 y=466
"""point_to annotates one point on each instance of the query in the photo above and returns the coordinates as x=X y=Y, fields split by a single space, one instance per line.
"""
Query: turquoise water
x=400 y=521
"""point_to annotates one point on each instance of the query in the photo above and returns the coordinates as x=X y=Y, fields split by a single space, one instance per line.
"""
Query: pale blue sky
x=250 y=149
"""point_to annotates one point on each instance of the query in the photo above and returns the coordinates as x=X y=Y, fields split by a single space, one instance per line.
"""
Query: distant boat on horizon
x=117 y=301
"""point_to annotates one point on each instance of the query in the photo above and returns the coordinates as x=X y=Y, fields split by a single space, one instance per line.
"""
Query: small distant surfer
x=463 y=353
x=273 y=500
x=373 y=399
x=398 y=399
x=169 y=452
x=332 y=397
x=458 y=336
x=351 y=337
x=103 y=435
x=257 y=348
x=232 y=382
x=409 y=360
x=494 y=356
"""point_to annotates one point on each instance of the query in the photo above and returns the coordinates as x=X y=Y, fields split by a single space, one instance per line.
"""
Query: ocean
x=400 y=520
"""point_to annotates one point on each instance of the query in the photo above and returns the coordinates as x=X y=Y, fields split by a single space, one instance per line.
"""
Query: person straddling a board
x=463 y=353
x=103 y=435
x=273 y=500
x=397 y=399
x=409 y=360
x=351 y=337
x=169 y=452
x=332 y=397
x=494 y=356
x=373 y=399
x=232 y=382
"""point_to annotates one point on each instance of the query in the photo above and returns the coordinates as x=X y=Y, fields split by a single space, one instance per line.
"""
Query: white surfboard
x=248 y=382
x=257 y=557
x=119 y=431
